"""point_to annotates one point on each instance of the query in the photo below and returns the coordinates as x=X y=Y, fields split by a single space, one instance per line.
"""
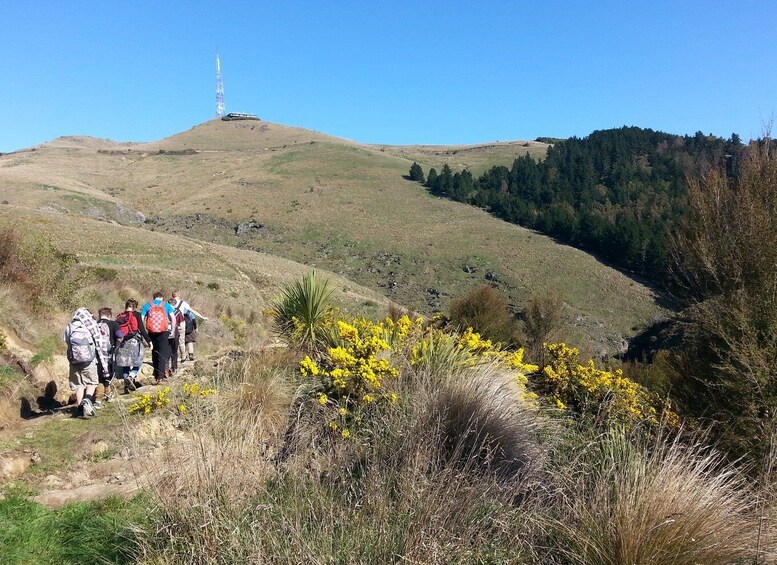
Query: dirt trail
x=69 y=459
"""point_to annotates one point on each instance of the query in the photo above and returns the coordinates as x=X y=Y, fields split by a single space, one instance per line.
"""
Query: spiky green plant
x=300 y=313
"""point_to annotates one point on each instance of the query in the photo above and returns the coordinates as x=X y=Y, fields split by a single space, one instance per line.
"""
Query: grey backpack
x=80 y=344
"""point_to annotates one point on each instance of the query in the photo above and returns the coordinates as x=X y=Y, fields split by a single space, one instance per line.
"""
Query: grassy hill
x=325 y=202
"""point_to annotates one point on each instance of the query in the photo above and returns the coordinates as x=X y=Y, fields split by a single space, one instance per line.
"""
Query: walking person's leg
x=180 y=349
x=159 y=347
x=173 y=362
x=160 y=354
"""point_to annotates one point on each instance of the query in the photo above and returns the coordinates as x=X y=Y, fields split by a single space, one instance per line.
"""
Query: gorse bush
x=301 y=312
x=606 y=395
x=354 y=373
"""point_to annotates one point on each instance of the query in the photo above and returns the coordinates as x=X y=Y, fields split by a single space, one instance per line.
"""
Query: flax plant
x=300 y=314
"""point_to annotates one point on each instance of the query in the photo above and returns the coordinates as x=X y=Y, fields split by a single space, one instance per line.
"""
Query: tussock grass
x=667 y=502
x=484 y=424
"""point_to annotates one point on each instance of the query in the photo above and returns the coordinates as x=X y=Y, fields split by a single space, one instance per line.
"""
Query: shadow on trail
x=47 y=404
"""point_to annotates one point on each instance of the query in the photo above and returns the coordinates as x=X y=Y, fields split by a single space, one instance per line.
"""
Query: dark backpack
x=191 y=323
x=128 y=323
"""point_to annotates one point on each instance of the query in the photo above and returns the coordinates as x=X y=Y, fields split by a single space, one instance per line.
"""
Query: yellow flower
x=322 y=398
x=346 y=433
x=308 y=367
x=182 y=408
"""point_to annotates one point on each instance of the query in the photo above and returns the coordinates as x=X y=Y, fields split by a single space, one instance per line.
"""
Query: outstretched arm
x=193 y=311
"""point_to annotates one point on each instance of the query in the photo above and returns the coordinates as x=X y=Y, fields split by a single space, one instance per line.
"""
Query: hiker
x=131 y=350
x=112 y=334
x=158 y=317
x=177 y=334
x=190 y=335
x=85 y=349
x=185 y=309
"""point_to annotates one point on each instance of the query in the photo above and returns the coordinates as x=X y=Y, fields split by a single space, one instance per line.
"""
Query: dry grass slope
x=330 y=203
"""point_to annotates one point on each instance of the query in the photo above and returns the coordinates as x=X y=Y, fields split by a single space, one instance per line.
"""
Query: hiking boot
x=129 y=386
x=191 y=356
x=137 y=384
x=87 y=407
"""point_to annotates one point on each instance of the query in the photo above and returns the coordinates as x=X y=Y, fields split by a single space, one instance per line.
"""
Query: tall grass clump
x=300 y=314
x=662 y=501
x=219 y=463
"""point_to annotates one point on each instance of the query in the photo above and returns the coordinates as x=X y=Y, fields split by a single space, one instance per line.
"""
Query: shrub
x=105 y=274
x=486 y=311
x=46 y=275
x=608 y=396
x=725 y=264
x=237 y=327
x=352 y=375
x=300 y=314
x=543 y=317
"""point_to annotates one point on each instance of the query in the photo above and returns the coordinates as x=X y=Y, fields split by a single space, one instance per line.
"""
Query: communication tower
x=219 y=90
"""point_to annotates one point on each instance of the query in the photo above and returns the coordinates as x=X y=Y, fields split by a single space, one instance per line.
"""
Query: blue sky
x=387 y=72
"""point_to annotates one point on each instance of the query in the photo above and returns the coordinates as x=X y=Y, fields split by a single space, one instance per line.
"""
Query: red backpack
x=128 y=323
x=156 y=319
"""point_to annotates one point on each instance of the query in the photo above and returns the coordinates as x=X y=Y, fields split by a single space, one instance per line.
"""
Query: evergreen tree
x=432 y=178
x=416 y=173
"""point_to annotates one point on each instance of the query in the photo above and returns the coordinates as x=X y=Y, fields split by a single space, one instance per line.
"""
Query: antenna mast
x=219 y=89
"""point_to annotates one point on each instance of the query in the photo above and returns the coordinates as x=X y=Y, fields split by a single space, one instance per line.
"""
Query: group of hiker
x=102 y=348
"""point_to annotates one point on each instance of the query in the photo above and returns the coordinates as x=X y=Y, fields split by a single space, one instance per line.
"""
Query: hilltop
x=330 y=203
